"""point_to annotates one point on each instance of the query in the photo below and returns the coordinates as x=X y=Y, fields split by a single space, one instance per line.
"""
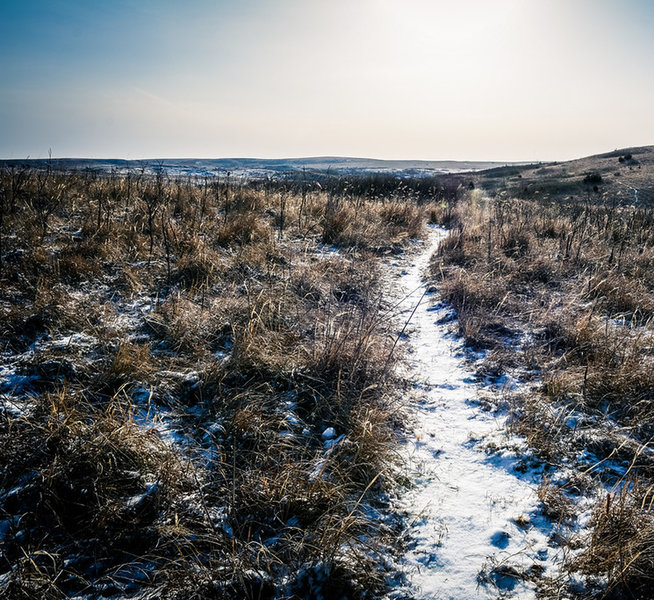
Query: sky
x=506 y=80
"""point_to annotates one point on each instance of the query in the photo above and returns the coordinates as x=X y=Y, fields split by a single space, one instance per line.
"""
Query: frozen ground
x=476 y=529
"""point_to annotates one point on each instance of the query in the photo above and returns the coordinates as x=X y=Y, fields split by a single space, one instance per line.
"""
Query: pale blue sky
x=463 y=79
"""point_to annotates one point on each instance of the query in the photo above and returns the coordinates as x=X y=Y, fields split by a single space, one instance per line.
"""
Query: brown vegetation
x=173 y=351
x=559 y=288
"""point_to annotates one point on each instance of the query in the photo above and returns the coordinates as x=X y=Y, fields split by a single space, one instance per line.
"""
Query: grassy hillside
x=197 y=392
x=612 y=176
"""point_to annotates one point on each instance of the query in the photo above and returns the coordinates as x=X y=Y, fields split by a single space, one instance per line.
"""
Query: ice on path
x=465 y=502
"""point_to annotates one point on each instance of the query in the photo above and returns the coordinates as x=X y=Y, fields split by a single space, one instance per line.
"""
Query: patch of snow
x=13 y=383
x=76 y=340
x=160 y=421
x=138 y=499
x=191 y=377
x=468 y=537
x=330 y=443
x=329 y=433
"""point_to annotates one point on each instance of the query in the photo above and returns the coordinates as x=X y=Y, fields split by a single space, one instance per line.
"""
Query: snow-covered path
x=474 y=520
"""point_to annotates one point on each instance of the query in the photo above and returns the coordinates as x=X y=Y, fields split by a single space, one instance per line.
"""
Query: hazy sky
x=431 y=79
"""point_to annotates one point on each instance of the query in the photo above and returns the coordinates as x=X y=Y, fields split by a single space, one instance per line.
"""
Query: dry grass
x=621 y=545
x=180 y=348
x=560 y=277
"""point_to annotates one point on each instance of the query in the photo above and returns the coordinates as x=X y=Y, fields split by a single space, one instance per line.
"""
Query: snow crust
x=476 y=529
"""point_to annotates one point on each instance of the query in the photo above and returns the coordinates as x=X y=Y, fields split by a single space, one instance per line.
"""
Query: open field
x=197 y=384
x=200 y=394
x=291 y=168
x=327 y=300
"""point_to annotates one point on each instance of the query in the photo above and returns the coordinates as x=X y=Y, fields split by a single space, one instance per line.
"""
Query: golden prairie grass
x=183 y=457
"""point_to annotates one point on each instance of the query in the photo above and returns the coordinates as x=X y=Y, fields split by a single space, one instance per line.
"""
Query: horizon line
x=323 y=157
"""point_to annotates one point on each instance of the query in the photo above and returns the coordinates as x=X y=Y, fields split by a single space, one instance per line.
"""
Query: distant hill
x=261 y=167
x=625 y=175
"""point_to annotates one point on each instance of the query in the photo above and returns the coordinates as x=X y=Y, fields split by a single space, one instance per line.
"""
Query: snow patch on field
x=476 y=528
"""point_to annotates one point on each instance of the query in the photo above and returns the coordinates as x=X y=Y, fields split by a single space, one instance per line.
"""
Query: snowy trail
x=469 y=511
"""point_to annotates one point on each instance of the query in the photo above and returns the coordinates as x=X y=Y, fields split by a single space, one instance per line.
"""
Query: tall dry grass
x=182 y=346
x=564 y=288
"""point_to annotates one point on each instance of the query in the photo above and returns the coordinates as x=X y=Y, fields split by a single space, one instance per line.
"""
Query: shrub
x=592 y=178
